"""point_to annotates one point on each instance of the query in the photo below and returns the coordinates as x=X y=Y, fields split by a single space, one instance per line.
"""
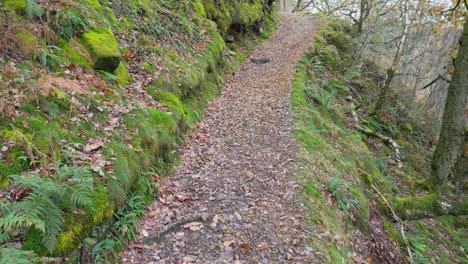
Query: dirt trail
x=233 y=199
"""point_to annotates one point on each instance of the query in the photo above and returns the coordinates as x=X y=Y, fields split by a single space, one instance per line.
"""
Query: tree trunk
x=450 y=147
x=396 y=60
x=363 y=14
x=384 y=91
x=450 y=159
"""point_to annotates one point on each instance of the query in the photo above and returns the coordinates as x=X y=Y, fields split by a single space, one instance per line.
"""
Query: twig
x=398 y=219
x=169 y=229
x=385 y=139
x=305 y=230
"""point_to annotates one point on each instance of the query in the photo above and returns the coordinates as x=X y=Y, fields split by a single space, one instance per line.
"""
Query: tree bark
x=396 y=60
x=365 y=7
x=450 y=159
x=450 y=149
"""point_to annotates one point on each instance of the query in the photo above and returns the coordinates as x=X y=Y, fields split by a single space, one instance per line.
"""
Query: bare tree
x=390 y=72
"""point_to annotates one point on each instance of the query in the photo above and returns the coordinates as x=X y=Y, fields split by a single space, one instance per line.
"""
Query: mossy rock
x=103 y=48
x=247 y=14
x=76 y=53
x=14 y=5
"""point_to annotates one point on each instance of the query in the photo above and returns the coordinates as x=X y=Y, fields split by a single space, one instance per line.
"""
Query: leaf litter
x=233 y=199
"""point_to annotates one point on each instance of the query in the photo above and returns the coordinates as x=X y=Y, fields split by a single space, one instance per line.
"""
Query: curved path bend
x=233 y=198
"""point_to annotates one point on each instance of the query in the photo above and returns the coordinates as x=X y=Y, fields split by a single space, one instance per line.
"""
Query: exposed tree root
x=386 y=140
x=157 y=237
x=398 y=219
x=429 y=206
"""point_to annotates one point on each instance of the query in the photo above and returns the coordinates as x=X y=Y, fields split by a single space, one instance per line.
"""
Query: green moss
x=94 y=4
x=14 y=5
x=312 y=190
x=199 y=8
x=103 y=47
x=123 y=77
x=180 y=111
x=12 y=163
x=416 y=207
x=148 y=67
x=247 y=14
x=76 y=53
x=27 y=42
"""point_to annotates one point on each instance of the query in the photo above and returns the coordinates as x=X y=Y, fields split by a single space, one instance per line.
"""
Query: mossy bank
x=95 y=98
x=350 y=177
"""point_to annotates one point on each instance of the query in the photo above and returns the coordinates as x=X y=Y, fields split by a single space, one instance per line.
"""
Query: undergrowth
x=340 y=166
x=95 y=98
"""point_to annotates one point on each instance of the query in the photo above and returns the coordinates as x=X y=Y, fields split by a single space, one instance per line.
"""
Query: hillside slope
x=352 y=176
x=94 y=98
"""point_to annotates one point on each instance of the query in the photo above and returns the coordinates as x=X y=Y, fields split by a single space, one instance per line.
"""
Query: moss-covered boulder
x=103 y=48
x=244 y=13
x=247 y=14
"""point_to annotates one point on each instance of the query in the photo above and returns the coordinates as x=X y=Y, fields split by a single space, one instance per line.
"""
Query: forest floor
x=234 y=196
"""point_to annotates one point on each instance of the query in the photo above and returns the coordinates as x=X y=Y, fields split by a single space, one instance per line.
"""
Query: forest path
x=234 y=197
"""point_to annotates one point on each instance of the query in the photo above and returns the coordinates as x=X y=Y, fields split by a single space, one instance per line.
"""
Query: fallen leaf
x=228 y=243
x=193 y=226
x=263 y=246
x=215 y=221
x=145 y=233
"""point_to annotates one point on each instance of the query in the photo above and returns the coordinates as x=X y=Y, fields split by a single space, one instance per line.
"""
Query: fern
x=69 y=23
x=33 y=9
x=107 y=76
x=4 y=236
x=15 y=256
x=49 y=201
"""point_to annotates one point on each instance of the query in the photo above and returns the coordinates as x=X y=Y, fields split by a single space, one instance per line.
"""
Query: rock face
x=103 y=48
x=237 y=14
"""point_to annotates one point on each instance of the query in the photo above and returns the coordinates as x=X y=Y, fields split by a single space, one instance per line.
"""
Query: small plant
x=321 y=96
x=107 y=76
x=102 y=251
x=33 y=9
x=48 y=56
x=344 y=200
x=69 y=23
x=44 y=208
x=128 y=217
x=9 y=256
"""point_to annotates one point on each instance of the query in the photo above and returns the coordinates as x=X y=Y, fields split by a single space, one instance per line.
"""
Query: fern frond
x=44 y=208
x=33 y=9
x=16 y=256
x=4 y=236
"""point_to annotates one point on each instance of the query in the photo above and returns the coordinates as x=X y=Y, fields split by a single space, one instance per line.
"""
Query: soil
x=234 y=197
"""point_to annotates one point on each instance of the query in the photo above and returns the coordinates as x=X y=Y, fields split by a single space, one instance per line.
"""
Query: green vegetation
x=103 y=48
x=343 y=167
x=102 y=103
